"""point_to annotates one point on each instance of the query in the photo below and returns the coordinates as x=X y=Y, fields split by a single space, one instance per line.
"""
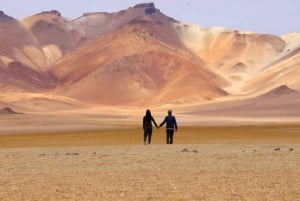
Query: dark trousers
x=147 y=134
x=170 y=134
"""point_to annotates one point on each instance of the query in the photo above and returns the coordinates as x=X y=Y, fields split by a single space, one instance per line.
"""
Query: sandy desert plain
x=98 y=155
x=235 y=94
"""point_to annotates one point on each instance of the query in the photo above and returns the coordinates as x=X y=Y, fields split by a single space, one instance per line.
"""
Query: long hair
x=148 y=113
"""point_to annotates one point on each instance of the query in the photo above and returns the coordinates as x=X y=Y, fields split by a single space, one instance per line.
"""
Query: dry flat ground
x=205 y=163
x=133 y=135
x=155 y=172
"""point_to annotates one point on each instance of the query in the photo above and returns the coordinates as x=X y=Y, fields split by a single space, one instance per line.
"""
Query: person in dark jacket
x=147 y=126
x=170 y=120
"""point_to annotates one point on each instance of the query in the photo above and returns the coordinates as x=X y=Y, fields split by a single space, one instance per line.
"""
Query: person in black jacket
x=147 y=126
x=170 y=120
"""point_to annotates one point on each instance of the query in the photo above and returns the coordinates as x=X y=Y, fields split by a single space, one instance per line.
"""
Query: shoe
x=145 y=143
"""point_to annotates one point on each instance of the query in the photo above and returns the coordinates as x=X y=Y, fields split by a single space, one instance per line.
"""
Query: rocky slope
x=139 y=56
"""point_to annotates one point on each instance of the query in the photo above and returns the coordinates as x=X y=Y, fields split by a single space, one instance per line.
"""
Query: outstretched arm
x=162 y=123
x=154 y=122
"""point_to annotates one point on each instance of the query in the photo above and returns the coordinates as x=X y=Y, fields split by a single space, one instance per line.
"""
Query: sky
x=277 y=17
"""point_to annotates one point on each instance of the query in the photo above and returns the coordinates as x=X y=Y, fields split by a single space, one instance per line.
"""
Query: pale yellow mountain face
x=140 y=57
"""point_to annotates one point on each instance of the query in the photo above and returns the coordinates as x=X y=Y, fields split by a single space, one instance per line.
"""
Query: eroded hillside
x=139 y=56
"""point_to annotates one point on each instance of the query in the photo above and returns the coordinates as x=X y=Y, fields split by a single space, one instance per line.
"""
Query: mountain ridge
x=140 y=56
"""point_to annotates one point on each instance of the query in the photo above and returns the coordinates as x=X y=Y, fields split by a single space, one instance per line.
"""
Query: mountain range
x=141 y=57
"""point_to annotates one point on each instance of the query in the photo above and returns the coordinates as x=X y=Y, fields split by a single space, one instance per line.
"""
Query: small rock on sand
x=72 y=154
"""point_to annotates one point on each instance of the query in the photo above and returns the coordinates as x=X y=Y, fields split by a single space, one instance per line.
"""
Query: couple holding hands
x=171 y=125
